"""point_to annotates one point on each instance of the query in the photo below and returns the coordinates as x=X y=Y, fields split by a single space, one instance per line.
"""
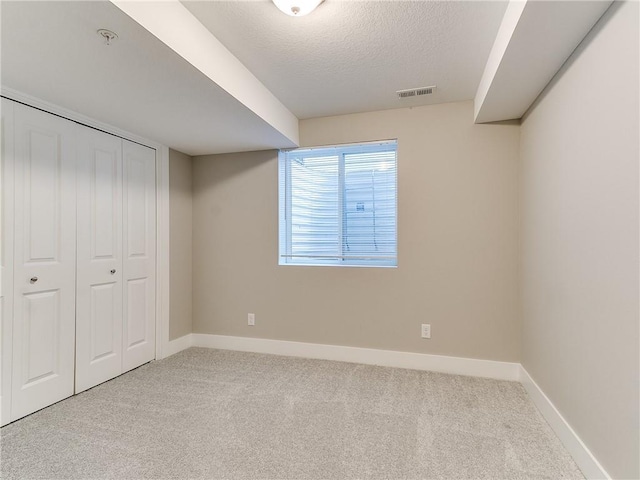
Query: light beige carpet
x=219 y=414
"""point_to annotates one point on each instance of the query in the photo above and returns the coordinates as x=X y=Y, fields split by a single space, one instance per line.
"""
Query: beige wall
x=180 y=244
x=580 y=242
x=457 y=209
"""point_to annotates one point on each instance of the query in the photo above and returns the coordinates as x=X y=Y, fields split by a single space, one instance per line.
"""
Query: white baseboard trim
x=589 y=465
x=179 y=344
x=369 y=356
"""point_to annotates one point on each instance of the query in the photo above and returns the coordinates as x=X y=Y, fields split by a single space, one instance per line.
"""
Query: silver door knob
x=34 y=279
x=113 y=270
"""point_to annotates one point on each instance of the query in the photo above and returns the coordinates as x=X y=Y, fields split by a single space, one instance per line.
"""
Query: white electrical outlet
x=426 y=330
x=251 y=319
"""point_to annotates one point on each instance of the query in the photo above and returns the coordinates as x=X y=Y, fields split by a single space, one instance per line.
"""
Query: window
x=338 y=205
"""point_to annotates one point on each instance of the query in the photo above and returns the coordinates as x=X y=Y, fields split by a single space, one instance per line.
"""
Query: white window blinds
x=338 y=205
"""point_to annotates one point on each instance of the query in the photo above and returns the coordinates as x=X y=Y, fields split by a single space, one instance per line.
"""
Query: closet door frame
x=7 y=165
x=162 y=206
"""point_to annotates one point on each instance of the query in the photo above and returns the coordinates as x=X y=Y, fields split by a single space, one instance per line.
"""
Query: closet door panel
x=99 y=256
x=139 y=254
x=44 y=261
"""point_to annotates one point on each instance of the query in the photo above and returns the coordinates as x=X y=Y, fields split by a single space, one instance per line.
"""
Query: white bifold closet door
x=115 y=329
x=99 y=255
x=139 y=254
x=77 y=258
x=44 y=260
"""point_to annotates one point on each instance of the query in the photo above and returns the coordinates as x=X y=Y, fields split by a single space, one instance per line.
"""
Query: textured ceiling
x=351 y=56
x=347 y=56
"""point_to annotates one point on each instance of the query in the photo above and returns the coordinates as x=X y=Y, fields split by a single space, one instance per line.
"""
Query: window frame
x=285 y=233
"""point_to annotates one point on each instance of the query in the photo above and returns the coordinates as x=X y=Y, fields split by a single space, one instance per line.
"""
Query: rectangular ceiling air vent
x=416 y=92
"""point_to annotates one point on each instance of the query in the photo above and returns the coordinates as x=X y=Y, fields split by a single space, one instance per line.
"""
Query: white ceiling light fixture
x=297 y=8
